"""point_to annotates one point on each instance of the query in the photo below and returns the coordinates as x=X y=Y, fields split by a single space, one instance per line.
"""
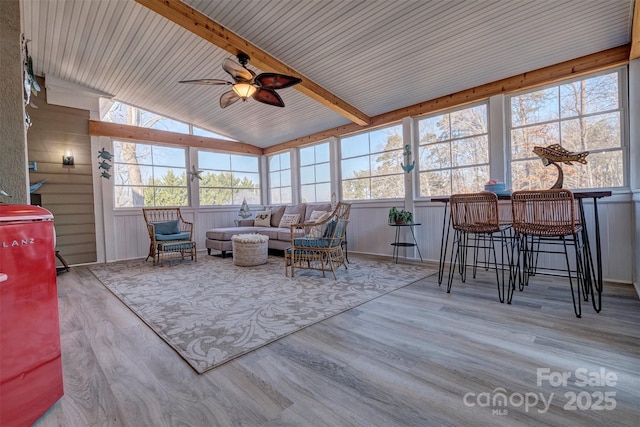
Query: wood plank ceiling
x=376 y=55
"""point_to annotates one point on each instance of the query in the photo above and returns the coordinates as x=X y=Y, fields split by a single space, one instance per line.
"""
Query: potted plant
x=400 y=216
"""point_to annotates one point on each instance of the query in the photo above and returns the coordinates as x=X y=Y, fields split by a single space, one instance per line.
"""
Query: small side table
x=398 y=244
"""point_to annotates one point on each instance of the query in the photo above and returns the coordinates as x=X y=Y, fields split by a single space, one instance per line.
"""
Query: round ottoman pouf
x=250 y=249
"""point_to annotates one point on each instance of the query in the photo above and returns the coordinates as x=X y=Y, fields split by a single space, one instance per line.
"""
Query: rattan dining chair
x=543 y=219
x=477 y=226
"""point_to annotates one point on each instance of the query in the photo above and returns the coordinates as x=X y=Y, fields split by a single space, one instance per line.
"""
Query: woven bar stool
x=541 y=220
x=476 y=224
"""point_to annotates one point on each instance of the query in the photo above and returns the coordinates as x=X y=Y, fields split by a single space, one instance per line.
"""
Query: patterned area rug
x=213 y=311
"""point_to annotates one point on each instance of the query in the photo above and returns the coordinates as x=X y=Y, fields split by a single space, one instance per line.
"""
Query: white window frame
x=229 y=167
x=280 y=171
x=371 y=155
x=315 y=164
x=421 y=167
x=151 y=164
x=623 y=112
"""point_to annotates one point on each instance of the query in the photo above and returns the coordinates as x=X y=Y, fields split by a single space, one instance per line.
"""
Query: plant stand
x=398 y=244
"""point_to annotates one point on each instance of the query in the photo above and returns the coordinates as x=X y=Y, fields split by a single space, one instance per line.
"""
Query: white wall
x=369 y=233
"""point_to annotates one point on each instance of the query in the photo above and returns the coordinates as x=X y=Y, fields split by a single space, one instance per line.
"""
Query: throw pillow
x=296 y=209
x=263 y=219
x=315 y=215
x=317 y=231
x=276 y=214
x=331 y=228
x=167 y=227
x=311 y=207
x=288 y=219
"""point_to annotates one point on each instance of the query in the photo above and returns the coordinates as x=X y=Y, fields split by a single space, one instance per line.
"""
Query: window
x=227 y=179
x=582 y=115
x=134 y=116
x=280 y=178
x=203 y=132
x=149 y=175
x=315 y=173
x=371 y=165
x=454 y=152
x=129 y=115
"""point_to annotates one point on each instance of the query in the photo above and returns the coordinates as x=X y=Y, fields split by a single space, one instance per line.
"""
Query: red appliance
x=30 y=359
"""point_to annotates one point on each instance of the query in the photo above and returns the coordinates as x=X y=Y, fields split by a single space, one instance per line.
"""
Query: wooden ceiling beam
x=635 y=32
x=135 y=133
x=205 y=27
x=573 y=68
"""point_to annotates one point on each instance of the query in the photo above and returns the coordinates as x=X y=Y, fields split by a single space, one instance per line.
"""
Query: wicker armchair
x=169 y=233
x=477 y=225
x=318 y=245
x=542 y=219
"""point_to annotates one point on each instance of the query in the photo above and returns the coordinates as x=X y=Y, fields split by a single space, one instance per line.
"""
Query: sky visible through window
x=130 y=115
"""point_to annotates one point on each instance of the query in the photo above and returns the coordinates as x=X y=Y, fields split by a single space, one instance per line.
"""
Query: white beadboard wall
x=369 y=233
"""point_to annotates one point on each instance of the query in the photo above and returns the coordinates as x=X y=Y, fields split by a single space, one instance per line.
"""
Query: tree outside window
x=149 y=175
x=582 y=115
x=133 y=116
x=454 y=152
x=371 y=165
x=228 y=179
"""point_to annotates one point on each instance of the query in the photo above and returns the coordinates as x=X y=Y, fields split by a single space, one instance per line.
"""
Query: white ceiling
x=377 y=55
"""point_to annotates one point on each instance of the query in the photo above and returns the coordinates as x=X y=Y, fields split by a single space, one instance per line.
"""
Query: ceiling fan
x=246 y=84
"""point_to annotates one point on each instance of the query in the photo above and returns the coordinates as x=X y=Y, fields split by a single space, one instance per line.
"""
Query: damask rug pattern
x=212 y=311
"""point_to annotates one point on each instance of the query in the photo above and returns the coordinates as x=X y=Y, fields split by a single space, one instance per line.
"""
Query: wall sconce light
x=67 y=159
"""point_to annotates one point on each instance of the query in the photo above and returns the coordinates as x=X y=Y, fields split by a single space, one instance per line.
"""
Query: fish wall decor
x=554 y=154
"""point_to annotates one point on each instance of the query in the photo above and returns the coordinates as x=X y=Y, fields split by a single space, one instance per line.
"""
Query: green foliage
x=170 y=190
x=223 y=188
x=400 y=216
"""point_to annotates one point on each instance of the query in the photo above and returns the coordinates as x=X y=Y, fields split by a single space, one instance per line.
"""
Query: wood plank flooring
x=408 y=358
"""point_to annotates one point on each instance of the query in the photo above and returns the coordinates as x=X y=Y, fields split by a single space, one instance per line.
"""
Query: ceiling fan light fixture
x=244 y=90
x=261 y=87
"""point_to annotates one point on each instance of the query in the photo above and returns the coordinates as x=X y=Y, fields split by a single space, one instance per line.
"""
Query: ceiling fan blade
x=207 y=82
x=276 y=81
x=228 y=98
x=268 y=96
x=237 y=71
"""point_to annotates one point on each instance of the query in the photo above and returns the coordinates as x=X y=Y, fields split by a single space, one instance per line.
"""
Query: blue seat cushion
x=298 y=251
x=176 y=236
x=305 y=242
x=167 y=227
x=177 y=247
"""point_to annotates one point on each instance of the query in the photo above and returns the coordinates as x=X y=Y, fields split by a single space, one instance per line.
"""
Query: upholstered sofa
x=219 y=239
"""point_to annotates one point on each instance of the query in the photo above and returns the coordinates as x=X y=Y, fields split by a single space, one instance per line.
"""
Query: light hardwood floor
x=408 y=358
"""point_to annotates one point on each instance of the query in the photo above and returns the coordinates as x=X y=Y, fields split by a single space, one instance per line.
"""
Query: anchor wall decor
x=406 y=166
